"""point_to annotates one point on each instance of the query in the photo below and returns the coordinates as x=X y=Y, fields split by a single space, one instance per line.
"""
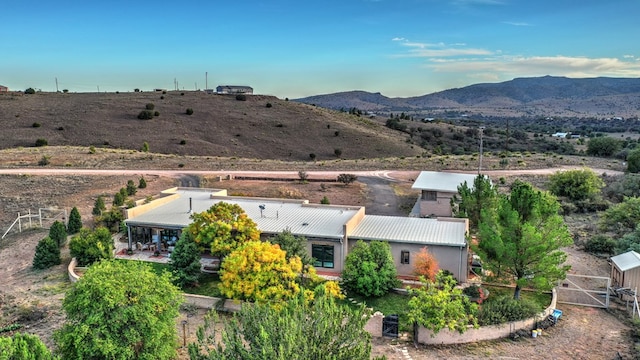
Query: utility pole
x=206 y=80
x=481 y=128
x=56 y=84
x=98 y=88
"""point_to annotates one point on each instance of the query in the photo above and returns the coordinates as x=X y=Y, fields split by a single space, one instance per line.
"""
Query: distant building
x=3 y=89
x=234 y=89
x=560 y=135
x=437 y=189
x=160 y=90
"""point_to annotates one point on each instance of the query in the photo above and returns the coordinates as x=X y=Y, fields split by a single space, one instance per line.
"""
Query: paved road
x=389 y=175
x=381 y=198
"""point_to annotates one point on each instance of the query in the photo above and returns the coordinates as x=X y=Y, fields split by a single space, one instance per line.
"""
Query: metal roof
x=442 y=181
x=627 y=261
x=298 y=216
x=411 y=230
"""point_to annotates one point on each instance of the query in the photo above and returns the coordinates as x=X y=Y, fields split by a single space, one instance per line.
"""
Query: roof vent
x=305 y=224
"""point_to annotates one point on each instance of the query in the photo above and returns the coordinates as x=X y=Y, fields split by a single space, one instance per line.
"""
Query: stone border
x=374 y=325
x=491 y=332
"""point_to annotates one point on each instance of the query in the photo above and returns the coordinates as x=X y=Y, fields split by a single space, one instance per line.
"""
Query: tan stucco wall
x=440 y=207
x=338 y=263
x=450 y=258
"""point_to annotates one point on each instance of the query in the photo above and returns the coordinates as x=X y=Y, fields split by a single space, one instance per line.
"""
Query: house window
x=322 y=256
x=404 y=257
x=429 y=195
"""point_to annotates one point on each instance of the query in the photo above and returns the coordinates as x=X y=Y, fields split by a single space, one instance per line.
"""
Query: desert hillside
x=262 y=127
x=546 y=96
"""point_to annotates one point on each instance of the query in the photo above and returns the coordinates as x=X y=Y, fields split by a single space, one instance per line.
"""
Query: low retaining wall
x=208 y=302
x=71 y=270
x=483 y=333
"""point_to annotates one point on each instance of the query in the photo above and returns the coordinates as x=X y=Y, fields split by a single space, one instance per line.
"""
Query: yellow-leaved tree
x=259 y=271
x=223 y=228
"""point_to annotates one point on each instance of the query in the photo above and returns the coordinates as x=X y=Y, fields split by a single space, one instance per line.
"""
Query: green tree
x=145 y=115
x=145 y=147
x=111 y=219
x=576 y=185
x=142 y=183
x=322 y=330
x=292 y=245
x=185 y=261
x=90 y=246
x=633 y=161
x=131 y=188
x=471 y=201
x=369 y=269
x=522 y=237
x=58 y=233
x=630 y=241
x=441 y=305
x=118 y=199
x=75 y=221
x=223 y=228
x=259 y=271
x=347 y=178
x=627 y=185
x=24 y=347
x=621 y=218
x=603 y=146
x=47 y=254
x=30 y=91
x=98 y=206
x=120 y=310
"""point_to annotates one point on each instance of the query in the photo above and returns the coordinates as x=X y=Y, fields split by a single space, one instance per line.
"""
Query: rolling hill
x=521 y=97
x=262 y=127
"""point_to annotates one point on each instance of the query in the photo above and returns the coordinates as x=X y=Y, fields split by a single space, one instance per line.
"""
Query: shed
x=234 y=89
x=625 y=271
x=4 y=89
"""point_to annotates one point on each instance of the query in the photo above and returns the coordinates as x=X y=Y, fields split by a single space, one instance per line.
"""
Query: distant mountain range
x=546 y=96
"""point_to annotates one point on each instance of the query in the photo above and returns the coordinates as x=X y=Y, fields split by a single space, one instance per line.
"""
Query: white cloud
x=432 y=50
x=516 y=23
x=508 y=67
x=476 y=2
x=398 y=39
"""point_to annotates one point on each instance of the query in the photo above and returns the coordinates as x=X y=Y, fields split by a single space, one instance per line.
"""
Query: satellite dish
x=262 y=206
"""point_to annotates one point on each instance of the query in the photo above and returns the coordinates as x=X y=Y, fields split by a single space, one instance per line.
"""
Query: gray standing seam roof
x=411 y=230
x=442 y=181
x=299 y=218
x=627 y=261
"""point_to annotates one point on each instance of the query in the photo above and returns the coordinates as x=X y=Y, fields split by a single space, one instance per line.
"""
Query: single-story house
x=331 y=230
x=560 y=135
x=437 y=189
x=234 y=89
x=625 y=271
x=4 y=88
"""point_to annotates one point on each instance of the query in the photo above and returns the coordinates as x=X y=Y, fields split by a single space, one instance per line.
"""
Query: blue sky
x=299 y=48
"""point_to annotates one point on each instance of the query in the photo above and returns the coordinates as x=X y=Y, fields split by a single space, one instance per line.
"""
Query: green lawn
x=542 y=300
x=208 y=282
x=389 y=304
